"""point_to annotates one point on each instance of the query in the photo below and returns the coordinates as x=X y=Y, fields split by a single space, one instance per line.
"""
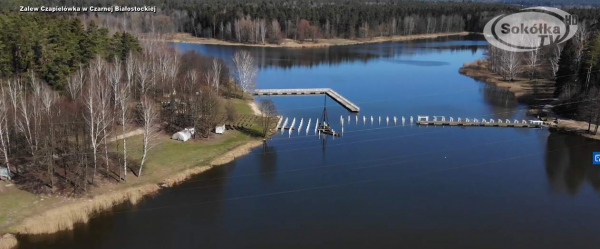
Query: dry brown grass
x=80 y=211
x=318 y=43
x=180 y=177
x=8 y=241
x=524 y=89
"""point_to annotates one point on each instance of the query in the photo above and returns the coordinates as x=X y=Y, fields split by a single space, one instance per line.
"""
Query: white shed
x=183 y=135
x=220 y=129
x=4 y=174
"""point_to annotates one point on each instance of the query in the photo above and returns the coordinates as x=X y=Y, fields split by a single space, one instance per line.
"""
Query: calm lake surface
x=378 y=186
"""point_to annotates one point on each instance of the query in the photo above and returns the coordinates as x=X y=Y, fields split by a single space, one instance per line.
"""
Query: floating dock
x=446 y=123
x=310 y=91
x=441 y=121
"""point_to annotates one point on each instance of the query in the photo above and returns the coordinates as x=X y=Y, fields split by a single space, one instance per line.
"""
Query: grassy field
x=167 y=158
x=16 y=204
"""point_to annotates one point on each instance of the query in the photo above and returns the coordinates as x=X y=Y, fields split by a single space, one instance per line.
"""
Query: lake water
x=378 y=186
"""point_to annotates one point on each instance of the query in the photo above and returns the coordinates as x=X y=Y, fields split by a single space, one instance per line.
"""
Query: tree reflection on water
x=569 y=163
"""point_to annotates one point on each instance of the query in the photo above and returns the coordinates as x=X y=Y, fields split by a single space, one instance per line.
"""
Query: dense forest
x=578 y=77
x=54 y=46
x=69 y=88
x=264 y=21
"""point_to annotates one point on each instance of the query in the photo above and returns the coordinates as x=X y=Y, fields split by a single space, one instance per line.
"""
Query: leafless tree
x=207 y=112
x=533 y=58
x=149 y=116
x=14 y=90
x=267 y=109
x=191 y=79
x=115 y=75
x=143 y=75
x=96 y=105
x=245 y=70
x=172 y=70
x=122 y=100
x=29 y=112
x=581 y=37
x=75 y=83
x=554 y=57
x=262 y=30
x=275 y=33
x=511 y=65
x=238 y=30
x=4 y=142
x=48 y=99
x=213 y=76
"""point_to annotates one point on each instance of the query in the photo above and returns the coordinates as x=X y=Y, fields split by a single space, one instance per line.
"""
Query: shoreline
x=318 y=43
x=254 y=107
x=65 y=215
x=530 y=93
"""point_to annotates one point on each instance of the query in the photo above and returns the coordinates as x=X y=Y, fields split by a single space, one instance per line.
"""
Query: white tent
x=220 y=129
x=182 y=135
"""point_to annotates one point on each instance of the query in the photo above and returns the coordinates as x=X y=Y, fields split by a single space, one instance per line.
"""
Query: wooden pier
x=310 y=91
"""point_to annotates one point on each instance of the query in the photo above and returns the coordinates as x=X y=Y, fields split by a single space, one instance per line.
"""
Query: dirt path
x=255 y=108
x=135 y=132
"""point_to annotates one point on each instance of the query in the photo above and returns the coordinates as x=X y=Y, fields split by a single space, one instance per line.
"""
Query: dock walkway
x=310 y=91
x=442 y=121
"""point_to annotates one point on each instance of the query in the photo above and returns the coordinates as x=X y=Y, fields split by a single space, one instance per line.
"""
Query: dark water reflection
x=293 y=57
x=378 y=186
x=567 y=173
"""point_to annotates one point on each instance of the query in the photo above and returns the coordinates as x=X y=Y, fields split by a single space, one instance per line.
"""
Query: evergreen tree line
x=55 y=46
x=578 y=77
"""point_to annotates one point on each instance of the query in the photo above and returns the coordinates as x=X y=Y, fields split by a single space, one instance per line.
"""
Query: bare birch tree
x=554 y=58
x=533 y=58
x=149 y=116
x=4 y=142
x=172 y=70
x=510 y=65
x=245 y=70
x=48 y=99
x=213 y=76
x=95 y=104
x=75 y=83
x=143 y=75
x=123 y=99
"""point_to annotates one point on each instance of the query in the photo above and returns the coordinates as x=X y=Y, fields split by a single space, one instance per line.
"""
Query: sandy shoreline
x=534 y=94
x=318 y=43
x=255 y=108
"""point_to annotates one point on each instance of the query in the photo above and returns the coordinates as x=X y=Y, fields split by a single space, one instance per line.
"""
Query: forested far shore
x=564 y=78
x=272 y=22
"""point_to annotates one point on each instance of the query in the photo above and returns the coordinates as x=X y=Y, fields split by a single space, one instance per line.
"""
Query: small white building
x=4 y=174
x=220 y=129
x=183 y=135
